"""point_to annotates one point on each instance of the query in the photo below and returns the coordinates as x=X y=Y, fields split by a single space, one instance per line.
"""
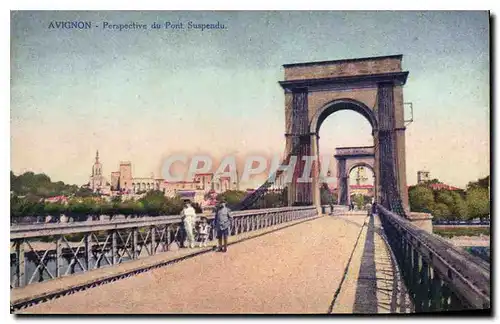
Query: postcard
x=250 y=162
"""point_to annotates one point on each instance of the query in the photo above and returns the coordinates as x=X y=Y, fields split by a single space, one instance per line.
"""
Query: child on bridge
x=203 y=230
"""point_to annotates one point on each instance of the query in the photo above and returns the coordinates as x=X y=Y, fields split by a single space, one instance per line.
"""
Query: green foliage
x=54 y=209
x=421 y=199
x=432 y=181
x=358 y=201
x=173 y=206
x=232 y=197
x=85 y=192
x=461 y=231
x=478 y=202
x=80 y=207
x=445 y=197
x=274 y=200
x=456 y=207
x=153 y=202
x=27 y=206
x=452 y=205
x=459 y=207
x=441 y=211
x=361 y=200
x=39 y=185
x=483 y=183
x=130 y=207
x=116 y=199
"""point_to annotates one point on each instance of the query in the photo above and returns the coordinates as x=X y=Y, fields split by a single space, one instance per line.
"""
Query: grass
x=467 y=231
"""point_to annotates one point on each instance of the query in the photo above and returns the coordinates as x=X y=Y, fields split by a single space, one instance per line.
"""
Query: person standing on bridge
x=223 y=220
x=374 y=207
x=189 y=220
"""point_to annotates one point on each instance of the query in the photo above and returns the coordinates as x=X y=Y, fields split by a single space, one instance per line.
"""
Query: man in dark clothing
x=223 y=220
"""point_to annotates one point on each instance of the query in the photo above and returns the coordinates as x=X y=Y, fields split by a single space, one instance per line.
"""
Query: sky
x=142 y=95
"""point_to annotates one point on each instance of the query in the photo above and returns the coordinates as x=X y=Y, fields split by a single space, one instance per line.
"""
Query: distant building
x=207 y=181
x=97 y=181
x=364 y=190
x=57 y=199
x=423 y=176
x=123 y=183
x=115 y=181
x=442 y=186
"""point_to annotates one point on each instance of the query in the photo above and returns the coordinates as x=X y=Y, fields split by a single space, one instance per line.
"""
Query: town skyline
x=141 y=96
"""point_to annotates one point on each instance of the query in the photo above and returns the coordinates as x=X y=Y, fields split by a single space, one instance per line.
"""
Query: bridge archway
x=341 y=104
x=347 y=159
x=371 y=86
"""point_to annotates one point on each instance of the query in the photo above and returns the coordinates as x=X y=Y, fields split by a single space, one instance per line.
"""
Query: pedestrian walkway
x=298 y=269
x=373 y=283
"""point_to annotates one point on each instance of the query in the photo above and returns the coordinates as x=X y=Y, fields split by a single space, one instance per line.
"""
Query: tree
x=153 y=201
x=130 y=207
x=421 y=199
x=440 y=211
x=480 y=183
x=445 y=197
x=116 y=199
x=232 y=197
x=459 y=208
x=358 y=200
x=39 y=185
x=173 y=206
x=82 y=207
x=54 y=209
x=478 y=202
x=431 y=181
x=84 y=192
x=273 y=200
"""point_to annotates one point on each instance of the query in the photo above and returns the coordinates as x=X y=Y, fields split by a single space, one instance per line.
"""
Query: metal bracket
x=409 y=121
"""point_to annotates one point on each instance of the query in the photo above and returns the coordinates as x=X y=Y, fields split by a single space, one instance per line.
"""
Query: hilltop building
x=97 y=182
x=423 y=176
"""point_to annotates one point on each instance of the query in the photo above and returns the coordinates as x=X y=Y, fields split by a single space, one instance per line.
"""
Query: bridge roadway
x=298 y=269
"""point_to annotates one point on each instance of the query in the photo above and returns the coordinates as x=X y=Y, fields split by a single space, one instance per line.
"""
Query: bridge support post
x=421 y=220
x=316 y=194
x=88 y=250
x=21 y=265
x=114 y=247
x=59 y=257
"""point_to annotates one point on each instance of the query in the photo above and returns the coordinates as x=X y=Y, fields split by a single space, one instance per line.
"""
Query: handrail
x=107 y=243
x=439 y=275
x=37 y=230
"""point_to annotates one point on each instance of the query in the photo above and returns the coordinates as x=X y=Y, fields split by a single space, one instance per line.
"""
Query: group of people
x=222 y=225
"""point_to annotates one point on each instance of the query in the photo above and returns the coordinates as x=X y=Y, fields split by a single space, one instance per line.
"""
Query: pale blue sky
x=141 y=95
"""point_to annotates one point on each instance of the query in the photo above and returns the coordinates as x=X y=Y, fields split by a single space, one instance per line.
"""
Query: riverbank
x=450 y=232
x=463 y=241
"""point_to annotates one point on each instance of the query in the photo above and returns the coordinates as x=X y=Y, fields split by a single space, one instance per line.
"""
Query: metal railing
x=48 y=251
x=439 y=276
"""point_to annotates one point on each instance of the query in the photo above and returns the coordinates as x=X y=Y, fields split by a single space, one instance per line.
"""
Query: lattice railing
x=439 y=276
x=48 y=251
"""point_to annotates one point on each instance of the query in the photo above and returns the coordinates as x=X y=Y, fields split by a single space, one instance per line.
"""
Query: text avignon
x=70 y=25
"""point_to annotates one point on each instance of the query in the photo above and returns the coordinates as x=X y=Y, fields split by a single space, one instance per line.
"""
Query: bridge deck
x=299 y=269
